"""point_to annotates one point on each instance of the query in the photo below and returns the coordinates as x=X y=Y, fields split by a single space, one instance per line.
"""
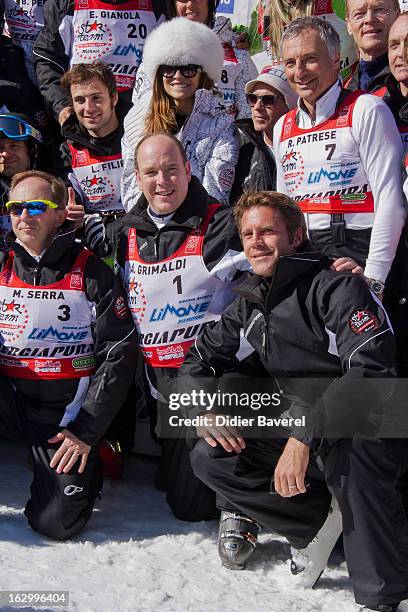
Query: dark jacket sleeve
x=221 y=236
x=116 y=351
x=51 y=60
x=355 y=403
x=17 y=92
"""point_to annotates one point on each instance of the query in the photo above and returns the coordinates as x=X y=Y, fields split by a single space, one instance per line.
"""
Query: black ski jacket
x=353 y=83
x=17 y=92
x=256 y=167
x=74 y=133
x=305 y=322
x=115 y=340
x=157 y=244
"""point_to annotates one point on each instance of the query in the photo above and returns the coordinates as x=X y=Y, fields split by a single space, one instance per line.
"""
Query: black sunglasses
x=188 y=71
x=268 y=101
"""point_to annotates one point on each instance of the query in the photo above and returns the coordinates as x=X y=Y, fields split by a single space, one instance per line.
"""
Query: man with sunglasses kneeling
x=67 y=356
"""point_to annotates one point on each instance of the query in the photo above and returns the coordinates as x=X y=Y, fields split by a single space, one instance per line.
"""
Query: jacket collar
x=289 y=269
x=208 y=102
x=397 y=103
x=325 y=107
x=63 y=242
x=247 y=133
x=376 y=82
x=74 y=132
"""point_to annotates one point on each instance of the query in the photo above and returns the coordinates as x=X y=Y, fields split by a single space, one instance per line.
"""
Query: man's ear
x=299 y=238
x=61 y=216
x=187 y=167
x=348 y=26
x=337 y=62
x=115 y=99
x=138 y=181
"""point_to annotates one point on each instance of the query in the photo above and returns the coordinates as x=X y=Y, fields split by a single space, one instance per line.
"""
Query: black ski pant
x=189 y=498
x=242 y=483
x=60 y=504
x=363 y=474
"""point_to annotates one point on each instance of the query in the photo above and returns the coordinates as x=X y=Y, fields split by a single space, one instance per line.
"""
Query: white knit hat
x=180 y=42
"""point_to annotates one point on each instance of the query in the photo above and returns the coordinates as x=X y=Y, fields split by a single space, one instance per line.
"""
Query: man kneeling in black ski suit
x=306 y=320
x=67 y=356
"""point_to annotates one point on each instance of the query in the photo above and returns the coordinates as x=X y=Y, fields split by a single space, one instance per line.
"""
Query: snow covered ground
x=135 y=556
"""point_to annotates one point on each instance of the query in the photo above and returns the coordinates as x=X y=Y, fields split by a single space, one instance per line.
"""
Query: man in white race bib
x=92 y=151
x=78 y=31
x=179 y=254
x=339 y=156
x=68 y=354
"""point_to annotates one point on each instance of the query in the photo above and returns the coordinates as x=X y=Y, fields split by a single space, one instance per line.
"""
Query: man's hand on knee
x=71 y=449
x=291 y=468
x=229 y=437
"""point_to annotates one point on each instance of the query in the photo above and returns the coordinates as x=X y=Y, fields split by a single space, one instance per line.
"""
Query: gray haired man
x=339 y=156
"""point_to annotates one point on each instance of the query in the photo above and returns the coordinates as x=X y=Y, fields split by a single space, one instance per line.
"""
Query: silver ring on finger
x=292 y=486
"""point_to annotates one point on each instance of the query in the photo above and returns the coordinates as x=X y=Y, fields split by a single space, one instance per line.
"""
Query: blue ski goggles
x=16 y=128
x=33 y=207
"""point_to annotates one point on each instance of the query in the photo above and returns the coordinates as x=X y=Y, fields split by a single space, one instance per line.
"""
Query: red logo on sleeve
x=363 y=321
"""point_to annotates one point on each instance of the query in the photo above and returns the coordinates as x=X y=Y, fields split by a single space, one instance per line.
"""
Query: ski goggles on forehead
x=16 y=128
x=189 y=71
x=33 y=207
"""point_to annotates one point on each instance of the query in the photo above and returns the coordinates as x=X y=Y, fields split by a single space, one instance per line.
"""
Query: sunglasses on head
x=268 y=101
x=33 y=207
x=188 y=71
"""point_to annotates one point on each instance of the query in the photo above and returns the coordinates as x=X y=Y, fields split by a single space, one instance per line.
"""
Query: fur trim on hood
x=180 y=42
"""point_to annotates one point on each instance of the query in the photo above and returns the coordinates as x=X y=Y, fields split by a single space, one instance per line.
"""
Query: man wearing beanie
x=269 y=97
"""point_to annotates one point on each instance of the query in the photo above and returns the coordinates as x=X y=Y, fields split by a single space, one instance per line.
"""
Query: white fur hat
x=180 y=42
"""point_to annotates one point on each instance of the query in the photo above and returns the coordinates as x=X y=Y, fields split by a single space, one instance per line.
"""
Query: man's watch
x=376 y=286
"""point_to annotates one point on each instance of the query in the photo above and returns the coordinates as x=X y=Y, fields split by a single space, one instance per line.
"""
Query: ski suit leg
x=60 y=504
x=241 y=482
x=363 y=474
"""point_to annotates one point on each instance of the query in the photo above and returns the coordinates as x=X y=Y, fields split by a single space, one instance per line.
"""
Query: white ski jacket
x=209 y=139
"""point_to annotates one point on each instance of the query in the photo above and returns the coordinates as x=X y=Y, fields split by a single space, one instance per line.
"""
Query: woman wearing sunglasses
x=183 y=59
x=278 y=13
x=238 y=67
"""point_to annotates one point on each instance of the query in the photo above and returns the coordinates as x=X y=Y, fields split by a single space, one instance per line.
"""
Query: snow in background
x=135 y=556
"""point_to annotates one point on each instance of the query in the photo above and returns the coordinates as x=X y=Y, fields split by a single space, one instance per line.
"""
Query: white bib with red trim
x=98 y=178
x=322 y=167
x=172 y=299
x=24 y=19
x=46 y=330
x=229 y=75
x=114 y=33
